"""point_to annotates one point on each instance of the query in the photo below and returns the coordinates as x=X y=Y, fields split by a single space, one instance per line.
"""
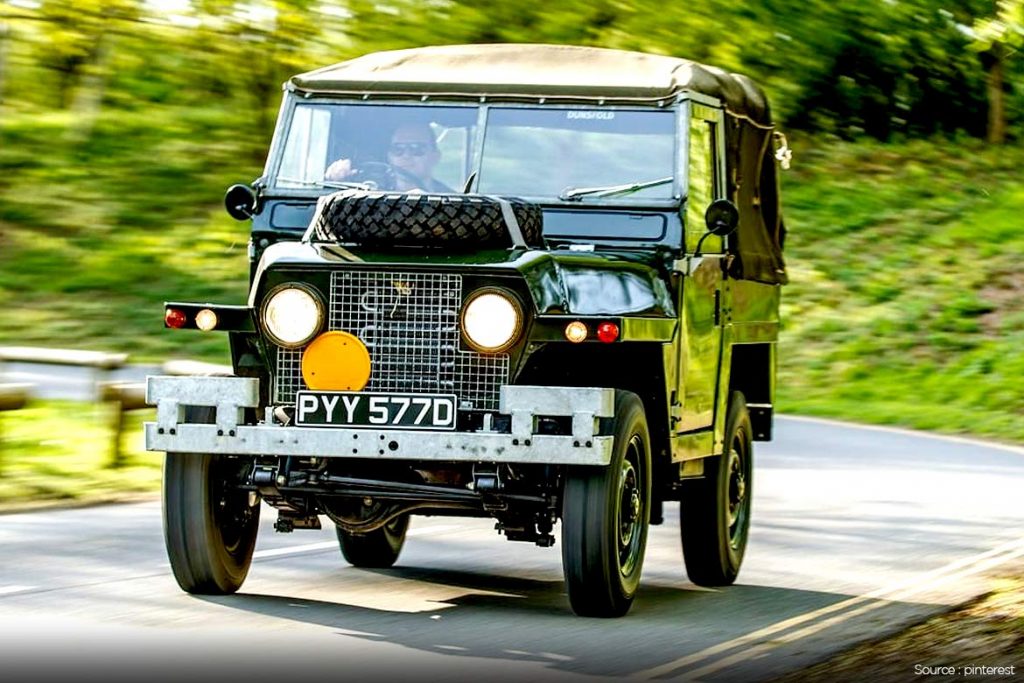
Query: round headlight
x=491 y=320
x=292 y=315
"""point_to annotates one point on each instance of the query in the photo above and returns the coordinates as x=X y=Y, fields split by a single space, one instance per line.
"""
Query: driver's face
x=413 y=149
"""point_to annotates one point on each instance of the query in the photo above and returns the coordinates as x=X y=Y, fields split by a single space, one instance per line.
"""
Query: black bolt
x=393 y=445
x=174 y=431
x=381 y=451
x=160 y=430
x=515 y=442
x=220 y=432
x=576 y=444
x=589 y=444
x=527 y=442
x=231 y=433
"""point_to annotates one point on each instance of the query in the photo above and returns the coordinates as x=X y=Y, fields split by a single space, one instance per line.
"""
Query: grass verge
x=988 y=632
x=59 y=453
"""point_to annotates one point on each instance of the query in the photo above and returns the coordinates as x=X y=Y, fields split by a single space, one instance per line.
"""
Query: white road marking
x=7 y=590
x=966 y=441
x=754 y=643
x=431 y=530
x=325 y=545
x=294 y=549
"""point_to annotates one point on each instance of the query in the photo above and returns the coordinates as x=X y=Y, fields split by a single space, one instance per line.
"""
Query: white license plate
x=366 y=409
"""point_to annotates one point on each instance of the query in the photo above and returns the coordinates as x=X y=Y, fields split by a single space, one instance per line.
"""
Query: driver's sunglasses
x=416 y=149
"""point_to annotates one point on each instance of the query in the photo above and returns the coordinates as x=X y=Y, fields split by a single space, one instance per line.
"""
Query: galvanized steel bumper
x=230 y=396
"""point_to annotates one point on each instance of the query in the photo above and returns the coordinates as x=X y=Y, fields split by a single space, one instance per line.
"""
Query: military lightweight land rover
x=564 y=316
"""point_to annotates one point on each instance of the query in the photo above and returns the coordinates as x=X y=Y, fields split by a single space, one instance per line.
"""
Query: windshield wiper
x=333 y=184
x=571 y=193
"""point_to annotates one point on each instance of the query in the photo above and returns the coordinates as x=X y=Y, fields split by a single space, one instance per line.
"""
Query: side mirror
x=240 y=201
x=722 y=217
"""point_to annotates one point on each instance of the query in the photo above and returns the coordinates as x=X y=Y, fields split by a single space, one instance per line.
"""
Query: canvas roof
x=520 y=71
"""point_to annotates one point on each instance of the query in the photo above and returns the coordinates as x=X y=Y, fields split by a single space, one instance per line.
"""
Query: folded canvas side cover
x=753 y=185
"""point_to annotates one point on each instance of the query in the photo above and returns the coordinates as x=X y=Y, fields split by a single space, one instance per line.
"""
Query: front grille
x=410 y=324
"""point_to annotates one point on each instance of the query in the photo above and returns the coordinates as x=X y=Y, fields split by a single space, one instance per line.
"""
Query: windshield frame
x=292 y=101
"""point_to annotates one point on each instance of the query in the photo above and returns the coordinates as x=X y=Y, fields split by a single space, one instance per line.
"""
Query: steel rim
x=631 y=503
x=232 y=514
x=737 y=491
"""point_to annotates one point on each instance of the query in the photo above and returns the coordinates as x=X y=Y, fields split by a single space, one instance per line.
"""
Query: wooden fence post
x=12 y=397
x=123 y=397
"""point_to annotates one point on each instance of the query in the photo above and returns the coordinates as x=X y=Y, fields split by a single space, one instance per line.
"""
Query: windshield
x=578 y=154
x=552 y=152
x=386 y=147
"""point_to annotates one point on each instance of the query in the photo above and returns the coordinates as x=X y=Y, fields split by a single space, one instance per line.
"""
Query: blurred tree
x=76 y=39
x=5 y=39
x=874 y=67
x=250 y=48
x=996 y=38
x=878 y=67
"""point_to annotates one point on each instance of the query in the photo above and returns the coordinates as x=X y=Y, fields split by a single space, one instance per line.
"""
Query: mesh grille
x=410 y=324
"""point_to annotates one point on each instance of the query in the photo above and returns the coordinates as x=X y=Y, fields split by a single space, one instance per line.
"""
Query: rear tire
x=605 y=516
x=378 y=549
x=714 y=512
x=209 y=527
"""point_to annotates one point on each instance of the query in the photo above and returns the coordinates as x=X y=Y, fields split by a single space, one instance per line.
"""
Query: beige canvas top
x=519 y=71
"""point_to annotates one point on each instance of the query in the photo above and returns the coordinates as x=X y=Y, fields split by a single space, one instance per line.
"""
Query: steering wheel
x=381 y=176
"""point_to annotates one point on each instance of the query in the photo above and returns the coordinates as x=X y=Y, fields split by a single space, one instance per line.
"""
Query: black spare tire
x=413 y=219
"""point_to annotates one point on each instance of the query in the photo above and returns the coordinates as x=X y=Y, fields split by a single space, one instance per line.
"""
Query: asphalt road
x=857 y=532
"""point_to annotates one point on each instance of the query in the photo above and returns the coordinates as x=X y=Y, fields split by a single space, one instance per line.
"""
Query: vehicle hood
x=604 y=282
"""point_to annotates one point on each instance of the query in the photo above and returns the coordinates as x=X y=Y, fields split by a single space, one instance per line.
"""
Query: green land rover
x=530 y=282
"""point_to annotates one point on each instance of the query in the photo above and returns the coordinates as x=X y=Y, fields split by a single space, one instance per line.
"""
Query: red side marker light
x=607 y=332
x=174 y=318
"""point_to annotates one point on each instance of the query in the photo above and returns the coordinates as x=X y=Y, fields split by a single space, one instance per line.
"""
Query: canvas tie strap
x=512 y=222
x=311 y=230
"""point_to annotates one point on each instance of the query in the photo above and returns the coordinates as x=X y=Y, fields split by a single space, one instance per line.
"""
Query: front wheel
x=377 y=549
x=714 y=511
x=605 y=515
x=210 y=524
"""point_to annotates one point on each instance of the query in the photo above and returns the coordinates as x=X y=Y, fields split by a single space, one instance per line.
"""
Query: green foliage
x=1006 y=26
x=874 y=67
x=905 y=299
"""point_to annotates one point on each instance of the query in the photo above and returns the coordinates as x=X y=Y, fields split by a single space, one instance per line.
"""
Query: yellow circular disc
x=336 y=361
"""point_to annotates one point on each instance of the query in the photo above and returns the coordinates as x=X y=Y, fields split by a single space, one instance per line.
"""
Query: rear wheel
x=715 y=510
x=209 y=524
x=377 y=549
x=605 y=517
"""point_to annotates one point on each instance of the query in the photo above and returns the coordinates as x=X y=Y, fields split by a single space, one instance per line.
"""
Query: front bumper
x=230 y=396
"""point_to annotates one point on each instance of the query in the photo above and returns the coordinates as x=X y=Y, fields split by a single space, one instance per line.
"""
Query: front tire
x=378 y=549
x=605 y=516
x=714 y=511
x=209 y=526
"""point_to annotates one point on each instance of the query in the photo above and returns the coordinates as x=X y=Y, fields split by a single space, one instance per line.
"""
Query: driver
x=412 y=153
